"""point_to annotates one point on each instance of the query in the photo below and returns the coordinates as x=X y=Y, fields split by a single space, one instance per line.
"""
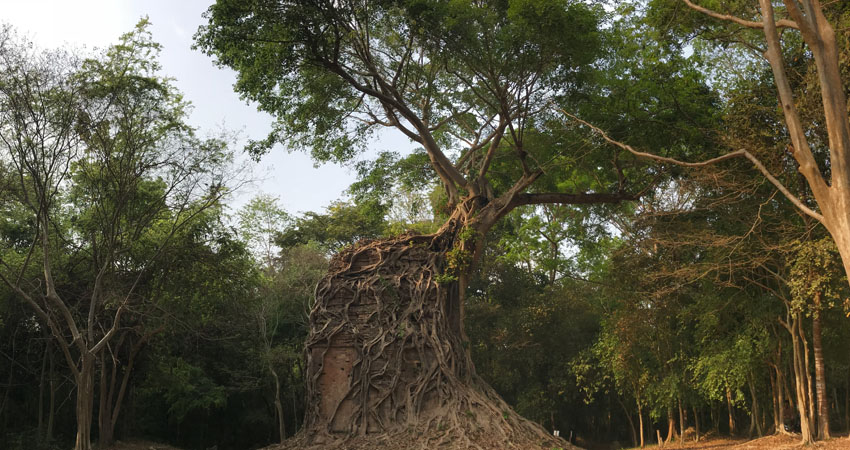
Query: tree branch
x=580 y=198
x=747 y=23
x=736 y=154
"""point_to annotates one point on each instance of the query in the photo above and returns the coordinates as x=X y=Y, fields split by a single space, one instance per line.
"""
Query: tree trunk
x=386 y=355
x=105 y=432
x=820 y=372
x=85 y=402
x=671 y=426
x=754 y=412
x=696 y=424
x=681 y=422
x=715 y=417
x=731 y=410
x=810 y=392
x=640 y=420
x=847 y=402
x=836 y=407
x=799 y=379
x=278 y=406
x=631 y=421
x=41 y=388
x=778 y=399
x=51 y=410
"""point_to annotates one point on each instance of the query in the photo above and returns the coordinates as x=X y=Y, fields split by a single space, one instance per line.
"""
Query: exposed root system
x=387 y=365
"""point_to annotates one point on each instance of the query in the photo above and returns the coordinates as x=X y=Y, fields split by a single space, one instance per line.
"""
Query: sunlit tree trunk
x=671 y=426
x=640 y=421
x=731 y=410
x=800 y=370
x=820 y=372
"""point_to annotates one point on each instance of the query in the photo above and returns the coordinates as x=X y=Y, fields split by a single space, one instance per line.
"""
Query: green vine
x=459 y=258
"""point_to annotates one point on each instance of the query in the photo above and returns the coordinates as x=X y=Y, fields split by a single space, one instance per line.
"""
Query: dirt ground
x=140 y=445
x=775 y=442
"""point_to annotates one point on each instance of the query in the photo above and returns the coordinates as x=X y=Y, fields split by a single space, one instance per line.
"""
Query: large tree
x=103 y=164
x=797 y=40
x=476 y=85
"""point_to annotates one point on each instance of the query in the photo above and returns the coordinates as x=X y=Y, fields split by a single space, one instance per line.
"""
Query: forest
x=624 y=223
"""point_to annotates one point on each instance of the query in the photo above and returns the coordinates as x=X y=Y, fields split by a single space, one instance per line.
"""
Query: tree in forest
x=474 y=85
x=815 y=286
x=103 y=162
x=798 y=41
x=818 y=129
x=289 y=276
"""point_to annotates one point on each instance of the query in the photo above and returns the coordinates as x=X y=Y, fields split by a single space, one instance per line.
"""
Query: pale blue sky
x=98 y=23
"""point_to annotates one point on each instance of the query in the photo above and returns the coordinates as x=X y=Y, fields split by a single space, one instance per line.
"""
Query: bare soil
x=139 y=445
x=773 y=442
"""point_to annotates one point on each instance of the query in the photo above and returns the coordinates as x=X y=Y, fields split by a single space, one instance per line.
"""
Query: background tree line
x=134 y=304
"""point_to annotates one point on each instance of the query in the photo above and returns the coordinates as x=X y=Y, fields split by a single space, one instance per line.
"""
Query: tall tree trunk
x=754 y=411
x=731 y=410
x=294 y=407
x=799 y=377
x=278 y=406
x=631 y=421
x=778 y=399
x=671 y=426
x=113 y=394
x=810 y=392
x=820 y=372
x=386 y=353
x=681 y=421
x=640 y=420
x=105 y=436
x=847 y=402
x=836 y=407
x=51 y=410
x=41 y=388
x=85 y=402
x=696 y=424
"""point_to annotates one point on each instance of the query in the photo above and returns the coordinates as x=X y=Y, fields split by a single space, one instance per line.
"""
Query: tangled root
x=387 y=367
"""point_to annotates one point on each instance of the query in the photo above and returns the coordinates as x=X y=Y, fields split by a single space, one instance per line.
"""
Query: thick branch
x=784 y=23
x=581 y=198
x=738 y=153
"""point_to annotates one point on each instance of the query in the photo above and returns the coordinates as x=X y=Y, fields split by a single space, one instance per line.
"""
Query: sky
x=95 y=24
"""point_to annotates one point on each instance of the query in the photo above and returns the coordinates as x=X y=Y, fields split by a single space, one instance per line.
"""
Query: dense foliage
x=707 y=304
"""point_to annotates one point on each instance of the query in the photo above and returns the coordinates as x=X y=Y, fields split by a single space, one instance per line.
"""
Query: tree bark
x=51 y=410
x=41 y=388
x=847 y=401
x=778 y=398
x=731 y=411
x=671 y=426
x=807 y=375
x=696 y=424
x=754 y=412
x=640 y=420
x=85 y=402
x=799 y=376
x=278 y=406
x=820 y=372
